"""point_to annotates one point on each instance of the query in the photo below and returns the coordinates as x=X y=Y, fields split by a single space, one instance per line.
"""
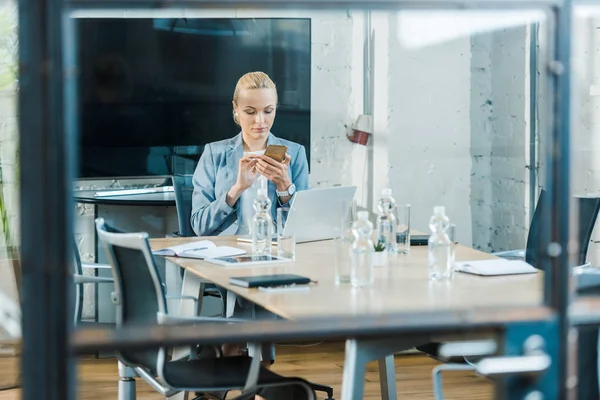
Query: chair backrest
x=139 y=291
x=588 y=208
x=77 y=270
x=184 y=188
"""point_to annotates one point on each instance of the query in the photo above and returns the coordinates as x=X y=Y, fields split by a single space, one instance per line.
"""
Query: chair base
x=127 y=389
x=322 y=388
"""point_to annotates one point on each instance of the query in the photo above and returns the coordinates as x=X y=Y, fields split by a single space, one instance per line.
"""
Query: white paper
x=183 y=248
x=220 y=251
x=495 y=267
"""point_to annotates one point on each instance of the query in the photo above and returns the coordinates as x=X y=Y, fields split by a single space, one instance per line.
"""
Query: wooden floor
x=322 y=363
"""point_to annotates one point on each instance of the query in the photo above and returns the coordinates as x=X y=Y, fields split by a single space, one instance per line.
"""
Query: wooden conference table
x=403 y=286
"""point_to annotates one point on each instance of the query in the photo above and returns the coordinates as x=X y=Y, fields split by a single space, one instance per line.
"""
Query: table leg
x=191 y=286
x=353 y=381
x=387 y=378
x=174 y=285
x=359 y=352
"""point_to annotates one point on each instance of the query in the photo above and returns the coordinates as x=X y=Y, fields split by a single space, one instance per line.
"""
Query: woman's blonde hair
x=252 y=80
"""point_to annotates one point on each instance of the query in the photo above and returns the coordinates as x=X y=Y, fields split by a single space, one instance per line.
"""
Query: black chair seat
x=216 y=373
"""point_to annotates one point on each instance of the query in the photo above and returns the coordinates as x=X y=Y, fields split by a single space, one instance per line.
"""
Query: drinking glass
x=403 y=228
x=452 y=236
x=343 y=241
x=286 y=239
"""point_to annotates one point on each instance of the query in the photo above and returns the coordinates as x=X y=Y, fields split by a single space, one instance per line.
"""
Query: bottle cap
x=363 y=215
x=439 y=210
x=386 y=192
x=262 y=192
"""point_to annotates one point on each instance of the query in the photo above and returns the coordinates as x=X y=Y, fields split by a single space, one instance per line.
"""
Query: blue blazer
x=217 y=172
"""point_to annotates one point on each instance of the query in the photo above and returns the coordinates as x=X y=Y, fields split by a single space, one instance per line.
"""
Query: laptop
x=315 y=214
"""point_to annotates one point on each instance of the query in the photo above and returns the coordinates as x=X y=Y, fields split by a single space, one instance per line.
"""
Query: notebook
x=201 y=249
x=495 y=267
x=269 y=280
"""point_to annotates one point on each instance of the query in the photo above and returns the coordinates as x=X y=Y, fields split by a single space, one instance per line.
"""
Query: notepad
x=495 y=267
x=200 y=249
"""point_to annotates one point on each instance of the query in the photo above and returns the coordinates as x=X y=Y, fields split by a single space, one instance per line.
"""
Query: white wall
x=585 y=155
x=453 y=131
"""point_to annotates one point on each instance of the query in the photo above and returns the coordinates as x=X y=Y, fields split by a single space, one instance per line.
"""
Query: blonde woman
x=230 y=171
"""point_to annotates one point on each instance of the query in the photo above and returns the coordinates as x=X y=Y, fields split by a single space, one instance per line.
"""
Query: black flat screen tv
x=152 y=92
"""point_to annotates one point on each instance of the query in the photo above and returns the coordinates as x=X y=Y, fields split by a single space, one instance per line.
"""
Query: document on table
x=495 y=267
x=200 y=249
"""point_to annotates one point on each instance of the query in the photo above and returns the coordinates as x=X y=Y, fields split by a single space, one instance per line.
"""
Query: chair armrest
x=164 y=319
x=95 y=266
x=438 y=389
x=80 y=279
x=510 y=253
x=171 y=297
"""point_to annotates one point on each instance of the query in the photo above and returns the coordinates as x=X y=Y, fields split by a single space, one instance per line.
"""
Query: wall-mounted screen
x=153 y=92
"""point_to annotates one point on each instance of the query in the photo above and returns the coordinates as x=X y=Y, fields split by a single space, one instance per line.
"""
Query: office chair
x=183 y=188
x=588 y=214
x=140 y=299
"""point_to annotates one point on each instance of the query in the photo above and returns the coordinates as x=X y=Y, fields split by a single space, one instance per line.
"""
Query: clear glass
x=440 y=249
x=386 y=223
x=343 y=243
x=286 y=239
x=453 y=243
x=403 y=228
x=362 y=273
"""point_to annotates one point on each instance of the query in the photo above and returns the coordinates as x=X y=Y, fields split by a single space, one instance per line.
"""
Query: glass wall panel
x=451 y=105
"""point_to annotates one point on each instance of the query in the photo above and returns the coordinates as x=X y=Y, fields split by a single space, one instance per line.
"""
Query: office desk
x=403 y=286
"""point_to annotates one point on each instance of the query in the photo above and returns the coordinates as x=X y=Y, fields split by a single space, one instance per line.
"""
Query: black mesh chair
x=140 y=299
x=588 y=214
x=184 y=188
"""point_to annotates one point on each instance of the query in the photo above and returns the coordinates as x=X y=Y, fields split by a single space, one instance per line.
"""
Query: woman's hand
x=276 y=172
x=247 y=175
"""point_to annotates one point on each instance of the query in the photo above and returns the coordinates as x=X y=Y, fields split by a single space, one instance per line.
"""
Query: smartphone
x=276 y=152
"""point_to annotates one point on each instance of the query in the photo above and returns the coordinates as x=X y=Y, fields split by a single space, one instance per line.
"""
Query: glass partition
x=444 y=108
x=585 y=144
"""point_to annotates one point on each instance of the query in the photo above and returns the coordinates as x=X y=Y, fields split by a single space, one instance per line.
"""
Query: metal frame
x=316 y=4
x=48 y=137
x=533 y=116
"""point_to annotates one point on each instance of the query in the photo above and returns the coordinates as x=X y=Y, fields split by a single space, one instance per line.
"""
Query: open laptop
x=315 y=213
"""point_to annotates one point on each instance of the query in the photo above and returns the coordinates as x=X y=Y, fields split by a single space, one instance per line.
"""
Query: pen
x=197 y=248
